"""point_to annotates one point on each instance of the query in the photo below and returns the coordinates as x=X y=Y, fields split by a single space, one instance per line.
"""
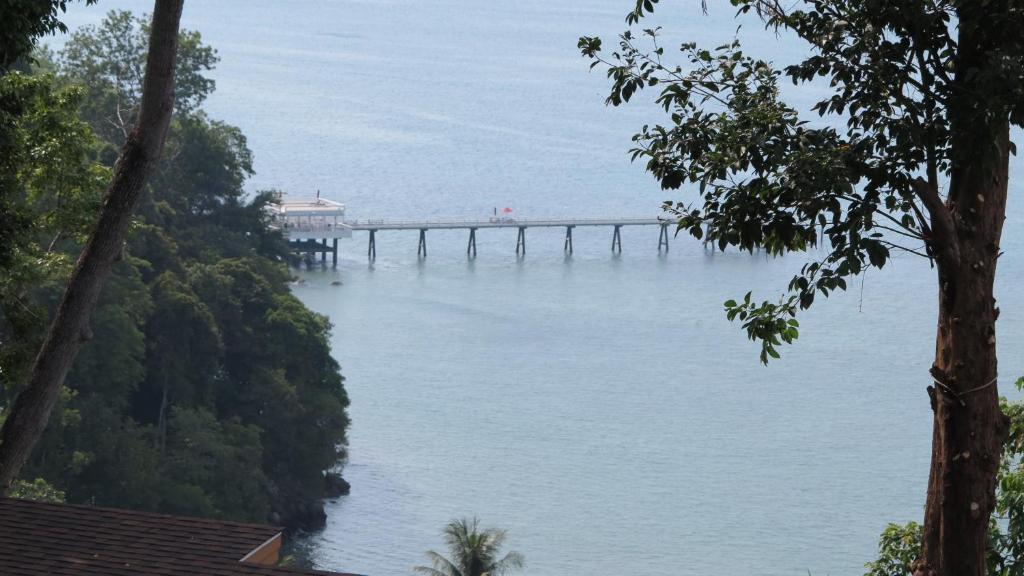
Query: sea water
x=598 y=407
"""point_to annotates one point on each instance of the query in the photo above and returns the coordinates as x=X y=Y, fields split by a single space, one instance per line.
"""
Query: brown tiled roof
x=64 y=540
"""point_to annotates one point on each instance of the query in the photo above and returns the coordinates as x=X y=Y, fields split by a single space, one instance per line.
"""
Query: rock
x=335 y=485
x=315 y=516
x=336 y=283
x=307 y=516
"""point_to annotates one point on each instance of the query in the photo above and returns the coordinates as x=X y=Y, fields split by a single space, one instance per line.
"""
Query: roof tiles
x=65 y=540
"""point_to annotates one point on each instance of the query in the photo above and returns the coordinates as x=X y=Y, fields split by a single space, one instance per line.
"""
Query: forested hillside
x=206 y=388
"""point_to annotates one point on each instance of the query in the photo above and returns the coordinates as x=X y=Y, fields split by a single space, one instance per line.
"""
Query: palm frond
x=473 y=551
x=429 y=571
x=511 y=561
x=441 y=566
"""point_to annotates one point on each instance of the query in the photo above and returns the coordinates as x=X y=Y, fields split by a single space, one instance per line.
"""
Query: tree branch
x=942 y=237
x=895 y=246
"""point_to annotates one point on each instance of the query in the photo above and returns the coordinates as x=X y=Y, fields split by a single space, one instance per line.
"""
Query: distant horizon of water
x=600 y=408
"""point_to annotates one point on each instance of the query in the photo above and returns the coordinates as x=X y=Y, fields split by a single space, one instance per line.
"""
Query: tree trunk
x=969 y=427
x=161 y=419
x=70 y=327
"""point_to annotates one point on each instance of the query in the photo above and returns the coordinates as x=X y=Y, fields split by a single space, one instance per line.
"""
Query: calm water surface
x=600 y=408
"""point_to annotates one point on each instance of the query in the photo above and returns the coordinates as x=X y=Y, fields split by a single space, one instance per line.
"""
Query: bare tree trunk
x=70 y=327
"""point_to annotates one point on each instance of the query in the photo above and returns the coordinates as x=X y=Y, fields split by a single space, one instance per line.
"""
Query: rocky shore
x=304 y=514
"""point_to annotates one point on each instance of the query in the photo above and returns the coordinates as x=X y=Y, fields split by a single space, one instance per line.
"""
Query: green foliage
x=899 y=545
x=44 y=210
x=24 y=22
x=113 y=362
x=898 y=548
x=213 y=467
x=219 y=162
x=766 y=177
x=206 y=388
x=38 y=490
x=109 y=60
x=37 y=127
x=1008 y=535
x=280 y=348
x=472 y=552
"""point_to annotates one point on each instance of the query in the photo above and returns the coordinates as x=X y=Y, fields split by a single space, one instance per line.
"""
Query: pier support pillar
x=568 y=239
x=617 y=240
x=663 y=238
x=471 y=245
x=334 y=253
x=310 y=253
x=421 y=250
x=371 y=249
x=323 y=253
x=521 y=242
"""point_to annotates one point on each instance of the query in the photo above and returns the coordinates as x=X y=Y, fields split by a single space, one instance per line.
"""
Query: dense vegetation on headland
x=206 y=388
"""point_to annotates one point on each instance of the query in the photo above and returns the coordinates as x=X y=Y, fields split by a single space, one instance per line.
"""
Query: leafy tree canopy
x=768 y=177
x=110 y=59
x=25 y=21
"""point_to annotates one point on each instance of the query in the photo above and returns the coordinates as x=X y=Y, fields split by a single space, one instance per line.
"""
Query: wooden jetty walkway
x=314 y=227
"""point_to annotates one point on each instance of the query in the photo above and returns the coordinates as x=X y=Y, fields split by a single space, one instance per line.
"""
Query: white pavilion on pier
x=310 y=218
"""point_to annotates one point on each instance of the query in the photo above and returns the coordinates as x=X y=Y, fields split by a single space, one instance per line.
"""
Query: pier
x=521 y=225
x=313 y=228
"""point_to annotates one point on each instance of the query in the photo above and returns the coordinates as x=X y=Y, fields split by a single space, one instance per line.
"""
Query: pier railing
x=497 y=222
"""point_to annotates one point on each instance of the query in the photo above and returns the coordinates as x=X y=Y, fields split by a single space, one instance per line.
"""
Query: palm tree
x=474 y=552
